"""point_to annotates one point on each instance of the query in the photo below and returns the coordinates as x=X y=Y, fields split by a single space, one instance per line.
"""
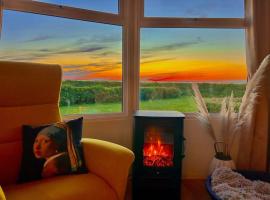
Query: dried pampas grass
x=254 y=89
x=227 y=119
x=203 y=114
x=233 y=123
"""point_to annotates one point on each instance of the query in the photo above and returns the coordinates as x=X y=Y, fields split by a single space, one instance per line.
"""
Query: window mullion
x=162 y=22
x=131 y=55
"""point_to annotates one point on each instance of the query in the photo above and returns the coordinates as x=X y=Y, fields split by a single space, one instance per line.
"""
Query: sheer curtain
x=253 y=144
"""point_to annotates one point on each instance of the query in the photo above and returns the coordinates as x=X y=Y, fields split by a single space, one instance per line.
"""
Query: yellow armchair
x=109 y=161
x=29 y=94
x=2 y=195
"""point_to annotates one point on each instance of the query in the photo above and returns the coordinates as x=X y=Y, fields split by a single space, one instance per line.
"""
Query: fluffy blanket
x=230 y=185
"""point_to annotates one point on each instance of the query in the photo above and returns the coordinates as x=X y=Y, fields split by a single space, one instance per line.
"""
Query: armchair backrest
x=29 y=94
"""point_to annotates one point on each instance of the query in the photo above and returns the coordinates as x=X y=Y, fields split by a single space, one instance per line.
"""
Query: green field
x=184 y=104
x=91 y=108
x=90 y=97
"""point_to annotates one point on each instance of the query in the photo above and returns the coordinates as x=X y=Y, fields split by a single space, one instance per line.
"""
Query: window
x=173 y=56
x=110 y=6
x=176 y=42
x=90 y=54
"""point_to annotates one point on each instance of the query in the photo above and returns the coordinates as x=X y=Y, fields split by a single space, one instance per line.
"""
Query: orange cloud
x=193 y=70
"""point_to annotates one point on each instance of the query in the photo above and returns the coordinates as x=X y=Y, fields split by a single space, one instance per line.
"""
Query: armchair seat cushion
x=72 y=187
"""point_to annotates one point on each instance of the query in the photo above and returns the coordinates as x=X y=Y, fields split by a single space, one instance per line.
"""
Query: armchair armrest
x=109 y=161
x=2 y=195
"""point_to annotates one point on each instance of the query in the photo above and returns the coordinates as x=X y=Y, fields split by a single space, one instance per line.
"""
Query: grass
x=91 y=108
x=183 y=104
x=91 y=97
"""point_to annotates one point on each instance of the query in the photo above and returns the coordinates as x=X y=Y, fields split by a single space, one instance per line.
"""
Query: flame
x=157 y=154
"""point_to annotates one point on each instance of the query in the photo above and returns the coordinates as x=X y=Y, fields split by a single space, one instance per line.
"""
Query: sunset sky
x=91 y=51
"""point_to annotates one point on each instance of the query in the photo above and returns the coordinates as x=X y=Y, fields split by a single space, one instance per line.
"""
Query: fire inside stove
x=157 y=149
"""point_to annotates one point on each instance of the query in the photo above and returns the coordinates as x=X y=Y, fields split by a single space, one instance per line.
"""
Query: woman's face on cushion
x=44 y=147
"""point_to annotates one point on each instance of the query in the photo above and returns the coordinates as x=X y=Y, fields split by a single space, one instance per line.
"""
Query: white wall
x=114 y=130
x=199 y=146
x=199 y=150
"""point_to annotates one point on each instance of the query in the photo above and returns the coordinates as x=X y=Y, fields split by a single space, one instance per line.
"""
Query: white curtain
x=253 y=143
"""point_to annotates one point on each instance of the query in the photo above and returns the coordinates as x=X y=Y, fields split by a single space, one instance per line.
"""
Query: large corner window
x=96 y=43
x=176 y=52
x=90 y=54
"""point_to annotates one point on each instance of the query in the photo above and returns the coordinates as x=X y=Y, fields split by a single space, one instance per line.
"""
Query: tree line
x=90 y=92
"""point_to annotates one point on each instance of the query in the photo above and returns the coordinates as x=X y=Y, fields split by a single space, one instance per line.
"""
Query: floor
x=192 y=189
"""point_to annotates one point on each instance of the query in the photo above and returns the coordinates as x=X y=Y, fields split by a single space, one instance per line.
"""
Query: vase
x=222 y=157
x=216 y=163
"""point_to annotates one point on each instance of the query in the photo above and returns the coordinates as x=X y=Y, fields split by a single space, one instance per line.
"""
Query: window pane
x=194 y=8
x=173 y=58
x=90 y=54
x=110 y=6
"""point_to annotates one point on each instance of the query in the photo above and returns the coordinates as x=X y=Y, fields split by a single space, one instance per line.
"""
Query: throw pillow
x=50 y=150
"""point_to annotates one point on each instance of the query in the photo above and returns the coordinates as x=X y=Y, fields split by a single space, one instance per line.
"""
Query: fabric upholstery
x=2 y=195
x=29 y=83
x=29 y=94
x=72 y=187
x=110 y=161
x=257 y=33
x=33 y=166
x=108 y=165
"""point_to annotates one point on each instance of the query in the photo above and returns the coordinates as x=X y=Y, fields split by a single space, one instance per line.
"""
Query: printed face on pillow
x=44 y=147
x=51 y=150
